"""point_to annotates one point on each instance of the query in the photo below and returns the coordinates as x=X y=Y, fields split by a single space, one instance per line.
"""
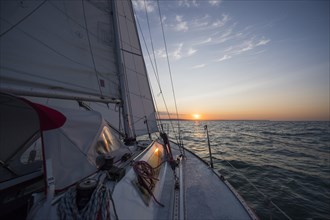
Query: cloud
x=164 y=18
x=250 y=45
x=225 y=36
x=247 y=45
x=180 y=25
x=208 y=23
x=161 y=53
x=191 y=51
x=218 y=37
x=222 y=22
x=201 y=22
x=199 y=66
x=208 y=40
x=263 y=42
x=177 y=54
x=225 y=57
x=181 y=52
x=215 y=2
x=188 y=3
x=141 y=5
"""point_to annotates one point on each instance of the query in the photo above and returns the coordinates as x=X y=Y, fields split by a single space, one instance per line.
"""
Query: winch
x=104 y=162
x=85 y=190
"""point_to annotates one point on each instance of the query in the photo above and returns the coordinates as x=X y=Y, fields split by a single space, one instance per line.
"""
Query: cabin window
x=33 y=153
x=104 y=143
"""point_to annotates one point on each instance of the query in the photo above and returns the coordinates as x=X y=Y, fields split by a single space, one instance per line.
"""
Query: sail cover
x=137 y=88
x=58 y=47
x=70 y=151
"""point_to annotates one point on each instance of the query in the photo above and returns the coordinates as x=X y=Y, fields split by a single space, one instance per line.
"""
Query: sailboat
x=75 y=98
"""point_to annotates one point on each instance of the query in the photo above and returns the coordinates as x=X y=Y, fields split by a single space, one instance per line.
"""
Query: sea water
x=268 y=162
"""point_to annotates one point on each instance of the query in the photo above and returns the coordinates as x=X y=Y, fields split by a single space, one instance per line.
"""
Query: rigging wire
x=258 y=190
x=249 y=181
x=158 y=81
x=151 y=41
x=155 y=67
x=152 y=65
x=170 y=72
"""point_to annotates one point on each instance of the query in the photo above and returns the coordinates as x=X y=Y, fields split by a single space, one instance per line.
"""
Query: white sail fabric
x=137 y=89
x=58 y=47
x=73 y=49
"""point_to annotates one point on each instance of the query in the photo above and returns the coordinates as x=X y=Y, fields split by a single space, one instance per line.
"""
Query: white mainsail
x=70 y=49
x=58 y=47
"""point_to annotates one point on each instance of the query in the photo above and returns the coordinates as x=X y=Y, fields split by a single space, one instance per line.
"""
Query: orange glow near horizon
x=279 y=113
x=196 y=116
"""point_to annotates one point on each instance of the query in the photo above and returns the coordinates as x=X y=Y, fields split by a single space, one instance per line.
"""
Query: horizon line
x=183 y=119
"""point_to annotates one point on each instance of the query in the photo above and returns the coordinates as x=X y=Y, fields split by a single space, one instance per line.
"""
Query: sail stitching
x=91 y=51
x=23 y=19
x=90 y=33
x=135 y=70
x=125 y=75
x=55 y=51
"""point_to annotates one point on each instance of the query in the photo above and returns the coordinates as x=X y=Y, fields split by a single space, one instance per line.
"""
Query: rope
x=96 y=208
x=145 y=175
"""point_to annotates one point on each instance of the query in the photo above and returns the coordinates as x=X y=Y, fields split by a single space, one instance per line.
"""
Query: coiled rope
x=96 y=208
x=145 y=175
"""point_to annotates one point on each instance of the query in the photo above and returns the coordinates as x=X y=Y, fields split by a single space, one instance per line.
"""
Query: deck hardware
x=209 y=145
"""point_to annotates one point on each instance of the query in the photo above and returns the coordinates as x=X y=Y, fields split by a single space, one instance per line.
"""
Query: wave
x=290 y=163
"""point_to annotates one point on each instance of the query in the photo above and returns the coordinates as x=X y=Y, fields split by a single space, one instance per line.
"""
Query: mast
x=133 y=78
x=122 y=80
x=147 y=78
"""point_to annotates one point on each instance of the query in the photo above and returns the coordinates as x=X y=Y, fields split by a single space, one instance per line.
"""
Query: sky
x=238 y=60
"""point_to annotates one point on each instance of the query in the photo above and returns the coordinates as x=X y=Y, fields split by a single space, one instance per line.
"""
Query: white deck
x=206 y=196
x=201 y=195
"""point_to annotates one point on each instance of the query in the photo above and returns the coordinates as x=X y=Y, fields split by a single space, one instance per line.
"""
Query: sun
x=196 y=116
